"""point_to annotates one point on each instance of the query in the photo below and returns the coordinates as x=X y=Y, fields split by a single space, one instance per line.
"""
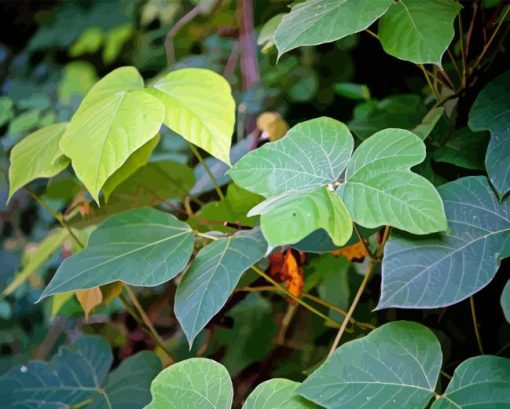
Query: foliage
x=190 y=221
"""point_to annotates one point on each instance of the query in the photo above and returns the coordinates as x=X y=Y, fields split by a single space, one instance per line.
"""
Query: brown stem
x=475 y=324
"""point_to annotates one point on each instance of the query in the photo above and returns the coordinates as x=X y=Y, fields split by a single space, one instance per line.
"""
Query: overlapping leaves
x=443 y=269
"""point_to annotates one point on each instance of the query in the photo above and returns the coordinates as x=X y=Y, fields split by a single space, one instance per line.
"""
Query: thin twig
x=434 y=91
x=362 y=241
x=475 y=324
x=462 y=55
x=372 y=33
x=169 y=39
x=207 y=169
x=287 y=319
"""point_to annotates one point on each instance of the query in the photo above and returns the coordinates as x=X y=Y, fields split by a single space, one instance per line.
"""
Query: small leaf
x=321 y=21
x=379 y=176
x=89 y=299
x=395 y=366
x=505 y=301
x=138 y=159
x=353 y=91
x=37 y=156
x=443 y=269
x=290 y=217
x=6 y=112
x=313 y=153
x=428 y=123
x=195 y=383
x=141 y=247
x=116 y=118
x=276 y=393
x=491 y=110
x=480 y=382
x=419 y=31
x=266 y=35
x=187 y=95
x=213 y=275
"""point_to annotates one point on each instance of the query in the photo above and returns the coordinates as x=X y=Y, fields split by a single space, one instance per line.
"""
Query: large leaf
x=212 y=277
x=480 y=382
x=491 y=110
x=290 y=217
x=396 y=366
x=199 y=107
x=313 y=153
x=321 y=21
x=138 y=159
x=379 y=177
x=142 y=247
x=196 y=383
x=443 y=269
x=37 y=156
x=276 y=393
x=465 y=149
x=116 y=118
x=419 y=31
x=78 y=374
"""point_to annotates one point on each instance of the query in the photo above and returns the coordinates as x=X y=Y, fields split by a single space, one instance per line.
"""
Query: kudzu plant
x=324 y=187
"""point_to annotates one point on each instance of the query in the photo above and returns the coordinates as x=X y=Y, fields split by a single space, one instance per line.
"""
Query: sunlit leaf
x=276 y=393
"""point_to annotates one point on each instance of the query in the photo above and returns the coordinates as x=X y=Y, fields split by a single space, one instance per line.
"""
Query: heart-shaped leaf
x=418 y=31
x=142 y=247
x=116 y=118
x=443 y=269
x=213 y=275
x=199 y=107
x=480 y=382
x=290 y=217
x=395 y=366
x=313 y=153
x=196 y=383
x=37 y=156
x=315 y=22
x=380 y=189
x=491 y=110
x=277 y=393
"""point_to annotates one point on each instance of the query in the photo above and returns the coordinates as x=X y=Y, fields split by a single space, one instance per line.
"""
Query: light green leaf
x=115 y=40
x=491 y=110
x=290 y=217
x=142 y=247
x=213 y=275
x=441 y=270
x=480 y=382
x=199 y=107
x=24 y=122
x=195 y=383
x=352 y=91
x=419 y=31
x=313 y=153
x=37 y=258
x=505 y=301
x=138 y=159
x=78 y=77
x=321 y=21
x=266 y=35
x=37 y=156
x=6 y=111
x=379 y=176
x=276 y=394
x=116 y=118
x=396 y=366
x=429 y=122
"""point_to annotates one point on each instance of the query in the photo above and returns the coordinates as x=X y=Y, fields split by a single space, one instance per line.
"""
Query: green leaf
x=116 y=118
x=443 y=269
x=138 y=159
x=379 y=176
x=334 y=285
x=491 y=110
x=290 y=217
x=37 y=156
x=37 y=258
x=78 y=374
x=141 y=247
x=480 y=382
x=6 y=111
x=196 y=383
x=419 y=31
x=276 y=393
x=505 y=301
x=465 y=149
x=321 y=21
x=395 y=366
x=266 y=35
x=78 y=77
x=199 y=107
x=428 y=123
x=353 y=91
x=213 y=275
x=397 y=111
x=313 y=153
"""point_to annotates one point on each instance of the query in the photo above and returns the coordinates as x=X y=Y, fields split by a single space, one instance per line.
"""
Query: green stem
x=475 y=324
x=211 y=176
